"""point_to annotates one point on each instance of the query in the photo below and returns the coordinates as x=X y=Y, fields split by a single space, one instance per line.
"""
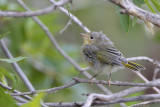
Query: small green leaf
x=156 y=4
x=11 y=76
x=134 y=21
x=150 y=7
x=6 y=99
x=35 y=102
x=12 y=60
x=3 y=79
x=124 y=19
x=68 y=9
x=138 y=2
x=1 y=36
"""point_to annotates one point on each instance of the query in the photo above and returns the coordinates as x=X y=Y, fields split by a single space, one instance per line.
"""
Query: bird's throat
x=86 y=41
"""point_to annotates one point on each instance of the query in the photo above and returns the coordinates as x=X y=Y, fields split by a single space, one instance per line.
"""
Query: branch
x=131 y=9
x=144 y=103
x=119 y=100
x=19 y=99
x=120 y=94
x=34 y=13
x=52 y=90
x=102 y=103
x=119 y=83
x=66 y=26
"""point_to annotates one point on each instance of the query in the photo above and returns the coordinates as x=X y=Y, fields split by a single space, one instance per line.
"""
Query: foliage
x=4 y=72
x=6 y=99
x=35 y=102
x=125 y=18
x=12 y=60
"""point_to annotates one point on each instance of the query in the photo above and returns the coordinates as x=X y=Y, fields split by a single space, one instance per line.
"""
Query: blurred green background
x=46 y=68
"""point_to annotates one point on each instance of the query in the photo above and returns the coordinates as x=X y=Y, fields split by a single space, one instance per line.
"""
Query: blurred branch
x=19 y=99
x=156 y=70
x=33 y=13
x=16 y=66
x=66 y=26
x=146 y=80
x=130 y=8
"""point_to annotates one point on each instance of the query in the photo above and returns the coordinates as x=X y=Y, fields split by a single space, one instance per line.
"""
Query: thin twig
x=66 y=26
x=34 y=13
x=74 y=18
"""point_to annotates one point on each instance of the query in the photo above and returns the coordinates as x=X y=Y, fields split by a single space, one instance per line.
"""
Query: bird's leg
x=109 y=79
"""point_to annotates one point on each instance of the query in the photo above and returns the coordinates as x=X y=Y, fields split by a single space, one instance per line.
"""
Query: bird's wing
x=111 y=55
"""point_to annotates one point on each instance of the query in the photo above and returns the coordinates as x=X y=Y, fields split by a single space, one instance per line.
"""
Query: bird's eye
x=91 y=37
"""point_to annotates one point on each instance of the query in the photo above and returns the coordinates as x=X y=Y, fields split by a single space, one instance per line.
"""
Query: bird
x=102 y=56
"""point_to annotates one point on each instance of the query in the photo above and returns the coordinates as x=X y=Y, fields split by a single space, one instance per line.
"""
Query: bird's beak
x=82 y=34
x=85 y=38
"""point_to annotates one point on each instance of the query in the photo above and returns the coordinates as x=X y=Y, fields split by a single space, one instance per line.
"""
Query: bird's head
x=95 y=38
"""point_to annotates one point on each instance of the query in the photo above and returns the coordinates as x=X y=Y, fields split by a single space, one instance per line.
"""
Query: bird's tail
x=133 y=66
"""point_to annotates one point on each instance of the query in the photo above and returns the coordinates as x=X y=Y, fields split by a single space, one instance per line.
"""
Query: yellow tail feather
x=133 y=66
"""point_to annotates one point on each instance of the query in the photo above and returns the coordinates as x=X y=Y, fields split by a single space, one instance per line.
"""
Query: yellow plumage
x=133 y=66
